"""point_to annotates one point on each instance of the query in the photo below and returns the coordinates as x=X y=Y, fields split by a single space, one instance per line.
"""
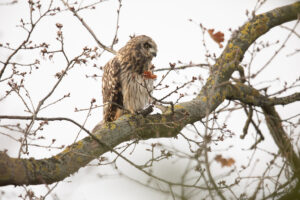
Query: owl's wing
x=111 y=90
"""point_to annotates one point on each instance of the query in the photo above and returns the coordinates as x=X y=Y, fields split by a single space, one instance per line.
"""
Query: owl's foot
x=145 y=111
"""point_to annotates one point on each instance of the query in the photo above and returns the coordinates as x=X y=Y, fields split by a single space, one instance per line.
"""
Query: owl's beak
x=153 y=52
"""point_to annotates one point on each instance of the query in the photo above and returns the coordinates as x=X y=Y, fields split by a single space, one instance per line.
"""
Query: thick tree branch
x=281 y=139
x=30 y=171
x=249 y=95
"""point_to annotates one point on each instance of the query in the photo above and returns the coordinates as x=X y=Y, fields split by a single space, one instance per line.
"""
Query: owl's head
x=140 y=46
x=146 y=46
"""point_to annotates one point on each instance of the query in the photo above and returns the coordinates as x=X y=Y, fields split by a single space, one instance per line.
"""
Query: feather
x=124 y=86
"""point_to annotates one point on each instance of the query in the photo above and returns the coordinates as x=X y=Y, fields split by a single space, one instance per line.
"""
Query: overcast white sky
x=177 y=39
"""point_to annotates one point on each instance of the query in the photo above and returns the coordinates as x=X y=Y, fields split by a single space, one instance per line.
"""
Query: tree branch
x=88 y=28
x=44 y=119
x=31 y=171
x=251 y=96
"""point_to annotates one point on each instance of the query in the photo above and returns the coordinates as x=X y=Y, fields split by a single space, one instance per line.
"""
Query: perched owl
x=124 y=85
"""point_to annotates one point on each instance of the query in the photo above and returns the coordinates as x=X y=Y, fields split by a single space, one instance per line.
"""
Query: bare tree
x=201 y=122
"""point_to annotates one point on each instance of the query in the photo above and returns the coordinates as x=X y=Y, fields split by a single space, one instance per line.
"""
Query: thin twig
x=277 y=51
x=43 y=119
x=88 y=28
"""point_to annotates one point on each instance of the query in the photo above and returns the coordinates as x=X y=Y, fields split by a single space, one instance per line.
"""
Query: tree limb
x=249 y=95
x=31 y=171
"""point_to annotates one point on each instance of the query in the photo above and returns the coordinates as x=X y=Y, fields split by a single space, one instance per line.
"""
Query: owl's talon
x=145 y=111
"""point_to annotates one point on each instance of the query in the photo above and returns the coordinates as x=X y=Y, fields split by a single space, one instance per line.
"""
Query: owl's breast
x=135 y=90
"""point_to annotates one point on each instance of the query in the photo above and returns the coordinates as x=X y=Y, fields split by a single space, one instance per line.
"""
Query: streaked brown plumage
x=123 y=86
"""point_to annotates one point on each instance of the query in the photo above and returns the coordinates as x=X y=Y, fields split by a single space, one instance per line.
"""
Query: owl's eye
x=147 y=45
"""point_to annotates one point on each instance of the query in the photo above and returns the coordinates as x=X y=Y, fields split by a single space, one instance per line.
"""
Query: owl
x=125 y=88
